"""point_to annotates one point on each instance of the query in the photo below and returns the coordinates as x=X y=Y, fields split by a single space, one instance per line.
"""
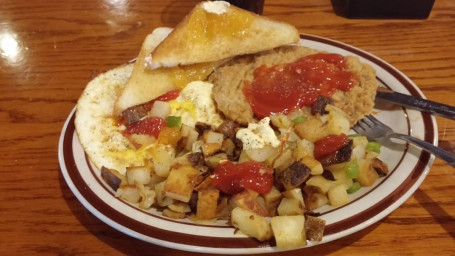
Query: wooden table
x=51 y=49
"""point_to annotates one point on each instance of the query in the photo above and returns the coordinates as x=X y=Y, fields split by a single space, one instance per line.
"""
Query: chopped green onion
x=173 y=121
x=354 y=135
x=354 y=188
x=352 y=169
x=299 y=119
x=373 y=146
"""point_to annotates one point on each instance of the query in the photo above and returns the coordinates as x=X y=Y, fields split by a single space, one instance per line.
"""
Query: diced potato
x=113 y=178
x=316 y=200
x=314 y=228
x=295 y=193
x=284 y=160
x=339 y=173
x=337 y=121
x=228 y=146
x=207 y=204
x=314 y=165
x=223 y=210
x=304 y=148
x=272 y=199
x=322 y=183
x=180 y=183
x=338 y=195
x=289 y=231
x=247 y=199
x=162 y=159
x=138 y=174
x=311 y=129
x=367 y=175
x=209 y=149
x=280 y=121
x=251 y=224
x=289 y=207
x=213 y=137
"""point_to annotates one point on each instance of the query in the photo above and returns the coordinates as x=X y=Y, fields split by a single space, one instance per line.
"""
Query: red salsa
x=282 y=88
x=148 y=125
x=329 y=144
x=233 y=178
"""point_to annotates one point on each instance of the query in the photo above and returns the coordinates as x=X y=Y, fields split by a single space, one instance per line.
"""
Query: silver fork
x=372 y=128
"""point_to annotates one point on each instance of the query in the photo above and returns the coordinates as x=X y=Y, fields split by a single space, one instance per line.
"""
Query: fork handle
x=438 y=152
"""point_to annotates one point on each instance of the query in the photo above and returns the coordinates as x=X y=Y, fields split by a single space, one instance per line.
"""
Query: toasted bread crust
x=188 y=44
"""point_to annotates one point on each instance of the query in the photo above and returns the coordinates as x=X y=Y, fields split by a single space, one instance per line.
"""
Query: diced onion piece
x=128 y=193
x=358 y=152
x=161 y=199
x=148 y=196
x=138 y=174
x=280 y=121
x=261 y=154
x=190 y=135
x=160 y=109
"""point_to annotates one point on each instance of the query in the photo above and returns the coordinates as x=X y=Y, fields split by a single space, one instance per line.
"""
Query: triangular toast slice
x=144 y=85
x=217 y=30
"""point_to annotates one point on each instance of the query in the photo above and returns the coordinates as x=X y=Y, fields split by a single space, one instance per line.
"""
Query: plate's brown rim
x=205 y=241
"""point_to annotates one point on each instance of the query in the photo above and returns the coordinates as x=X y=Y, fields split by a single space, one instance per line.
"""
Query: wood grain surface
x=50 y=49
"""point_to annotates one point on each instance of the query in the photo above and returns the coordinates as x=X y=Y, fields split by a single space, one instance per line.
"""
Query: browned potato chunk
x=314 y=228
x=248 y=199
x=251 y=224
x=311 y=129
x=289 y=231
x=207 y=204
x=367 y=174
x=180 y=183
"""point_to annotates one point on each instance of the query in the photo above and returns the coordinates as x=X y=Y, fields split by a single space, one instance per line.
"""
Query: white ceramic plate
x=409 y=167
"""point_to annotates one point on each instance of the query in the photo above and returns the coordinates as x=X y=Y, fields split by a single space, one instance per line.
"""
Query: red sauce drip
x=234 y=178
x=148 y=125
x=282 y=88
